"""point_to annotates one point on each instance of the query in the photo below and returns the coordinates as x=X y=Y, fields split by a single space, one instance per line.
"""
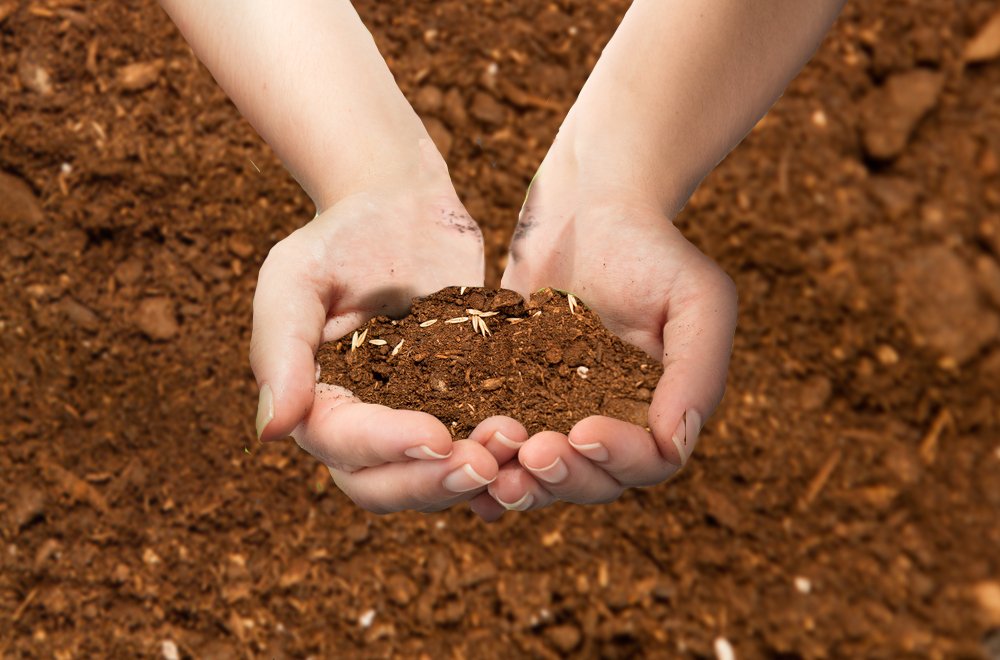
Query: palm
x=371 y=254
x=625 y=272
x=652 y=288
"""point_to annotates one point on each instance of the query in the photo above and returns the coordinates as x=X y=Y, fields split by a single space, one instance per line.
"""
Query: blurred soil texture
x=844 y=502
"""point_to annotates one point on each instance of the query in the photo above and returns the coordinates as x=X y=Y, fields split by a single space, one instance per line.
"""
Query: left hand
x=624 y=258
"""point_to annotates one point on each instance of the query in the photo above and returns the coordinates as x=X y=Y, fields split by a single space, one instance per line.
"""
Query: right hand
x=369 y=254
x=619 y=253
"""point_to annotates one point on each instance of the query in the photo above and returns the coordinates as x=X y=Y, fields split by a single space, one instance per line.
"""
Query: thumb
x=289 y=312
x=697 y=342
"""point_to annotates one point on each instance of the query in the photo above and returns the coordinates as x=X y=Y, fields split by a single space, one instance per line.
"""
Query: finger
x=289 y=312
x=516 y=490
x=697 y=342
x=340 y=430
x=421 y=485
x=487 y=508
x=564 y=473
x=625 y=451
x=501 y=435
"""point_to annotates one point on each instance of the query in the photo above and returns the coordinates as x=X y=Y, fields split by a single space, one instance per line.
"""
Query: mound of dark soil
x=464 y=354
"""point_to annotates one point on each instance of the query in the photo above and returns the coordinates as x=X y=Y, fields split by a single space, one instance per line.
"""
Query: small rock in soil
x=453 y=109
x=985 y=46
x=33 y=75
x=18 y=205
x=539 y=370
x=240 y=247
x=938 y=299
x=721 y=509
x=157 y=318
x=428 y=100
x=564 y=638
x=815 y=392
x=78 y=313
x=139 y=75
x=128 y=272
x=29 y=504
x=896 y=195
x=486 y=109
x=46 y=551
x=904 y=463
x=401 y=589
x=891 y=112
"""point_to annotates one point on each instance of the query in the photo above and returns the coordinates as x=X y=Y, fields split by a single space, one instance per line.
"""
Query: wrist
x=599 y=159
x=586 y=169
x=408 y=164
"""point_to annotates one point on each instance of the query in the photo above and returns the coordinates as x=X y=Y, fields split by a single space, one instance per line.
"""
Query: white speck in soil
x=723 y=649
x=169 y=650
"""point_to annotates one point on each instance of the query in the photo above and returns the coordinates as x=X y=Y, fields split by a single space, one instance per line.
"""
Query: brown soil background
x=858 y=446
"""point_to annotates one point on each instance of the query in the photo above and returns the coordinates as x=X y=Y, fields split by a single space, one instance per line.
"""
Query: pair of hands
x=673 y=91
x=373 y=251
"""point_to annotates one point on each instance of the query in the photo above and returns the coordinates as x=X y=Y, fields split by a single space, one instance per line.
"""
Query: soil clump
x=465 y=354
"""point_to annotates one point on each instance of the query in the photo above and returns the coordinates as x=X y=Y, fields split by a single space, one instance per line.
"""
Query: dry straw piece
x=357 y=340
x=479 y=325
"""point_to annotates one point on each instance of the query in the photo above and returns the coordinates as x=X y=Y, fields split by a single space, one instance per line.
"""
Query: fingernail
x=595 y=451
x=265 y=409
x=552 y=473
x=507 y=442
x=464 y=479
x=521 y=505
x=425 y=453
x=686 y=435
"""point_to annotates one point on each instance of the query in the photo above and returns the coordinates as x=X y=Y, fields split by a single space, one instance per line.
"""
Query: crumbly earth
x=843 y=502
x=542 y=362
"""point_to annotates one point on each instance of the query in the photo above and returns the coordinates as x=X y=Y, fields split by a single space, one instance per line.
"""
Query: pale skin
x=676 y=88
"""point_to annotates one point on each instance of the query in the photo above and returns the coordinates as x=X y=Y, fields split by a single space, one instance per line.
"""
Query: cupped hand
x=369 y=254
x=625 y=259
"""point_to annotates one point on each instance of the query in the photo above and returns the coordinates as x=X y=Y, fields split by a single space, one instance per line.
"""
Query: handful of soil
x=465 y=354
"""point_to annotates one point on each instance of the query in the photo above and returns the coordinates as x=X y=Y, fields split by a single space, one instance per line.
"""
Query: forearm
x=680 y=84
x=309 y=78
